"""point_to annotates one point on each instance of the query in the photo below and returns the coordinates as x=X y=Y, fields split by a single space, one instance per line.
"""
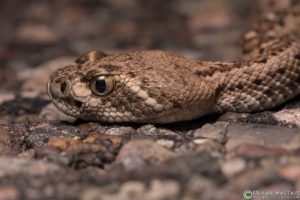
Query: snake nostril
x=59 y=88
x=63 y=86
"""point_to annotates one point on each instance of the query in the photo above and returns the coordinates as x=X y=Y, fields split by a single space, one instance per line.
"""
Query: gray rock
x=265 y=135
x=14 y=166
x=289 y=115
x=148 y=150
x=233 y=166
x=214 y=131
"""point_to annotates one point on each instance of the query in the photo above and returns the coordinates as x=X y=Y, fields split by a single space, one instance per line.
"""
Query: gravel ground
x=48 y=155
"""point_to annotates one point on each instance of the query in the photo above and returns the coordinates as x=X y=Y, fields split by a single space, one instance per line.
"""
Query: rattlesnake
x=161 y=87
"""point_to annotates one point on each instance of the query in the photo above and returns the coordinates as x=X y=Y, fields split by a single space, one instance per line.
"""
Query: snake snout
x=59 y=88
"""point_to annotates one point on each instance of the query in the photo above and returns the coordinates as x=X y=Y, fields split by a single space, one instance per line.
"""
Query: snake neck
x=262 y=83
x=269 y=73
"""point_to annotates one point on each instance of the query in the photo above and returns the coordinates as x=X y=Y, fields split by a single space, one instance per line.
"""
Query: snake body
x=161 y=87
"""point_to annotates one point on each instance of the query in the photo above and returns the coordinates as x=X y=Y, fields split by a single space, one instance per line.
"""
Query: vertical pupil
x=100 y=84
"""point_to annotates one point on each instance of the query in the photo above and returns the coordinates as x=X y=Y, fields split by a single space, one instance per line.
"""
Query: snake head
x=135 y=87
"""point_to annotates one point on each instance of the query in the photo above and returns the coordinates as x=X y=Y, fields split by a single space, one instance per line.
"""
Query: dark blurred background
x=35 y=32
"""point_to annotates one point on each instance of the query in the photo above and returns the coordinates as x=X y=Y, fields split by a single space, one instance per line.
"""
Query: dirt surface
x=48 y=155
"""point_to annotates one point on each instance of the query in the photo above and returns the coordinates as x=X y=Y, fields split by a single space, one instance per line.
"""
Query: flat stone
x=200 y=141
x=115 y=140
x=256 y=151
x=84 y=148
x=136 y=190
x=87 y=154
x=146 y=149
x=62 y=143
x=163 y=189
x=28 y=154
x=265 y=117
x=233 y=116
x=129 y=190
x=41 y=133
x=214 y=131
x=203 y=163
x=254 y=178
x=134 y=162
x=9 y=193
x=208 y=145
x=233 y=166
x=291 y=173
x=120 y=131
x=166 y=132
x=196 y=186
x=148 y=129
x=264 y=135
x=289 y=115
x=46 y=151
x=166 y=143
x=13 y=166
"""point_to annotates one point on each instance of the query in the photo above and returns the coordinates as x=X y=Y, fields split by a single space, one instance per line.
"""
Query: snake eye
x=102 y=85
